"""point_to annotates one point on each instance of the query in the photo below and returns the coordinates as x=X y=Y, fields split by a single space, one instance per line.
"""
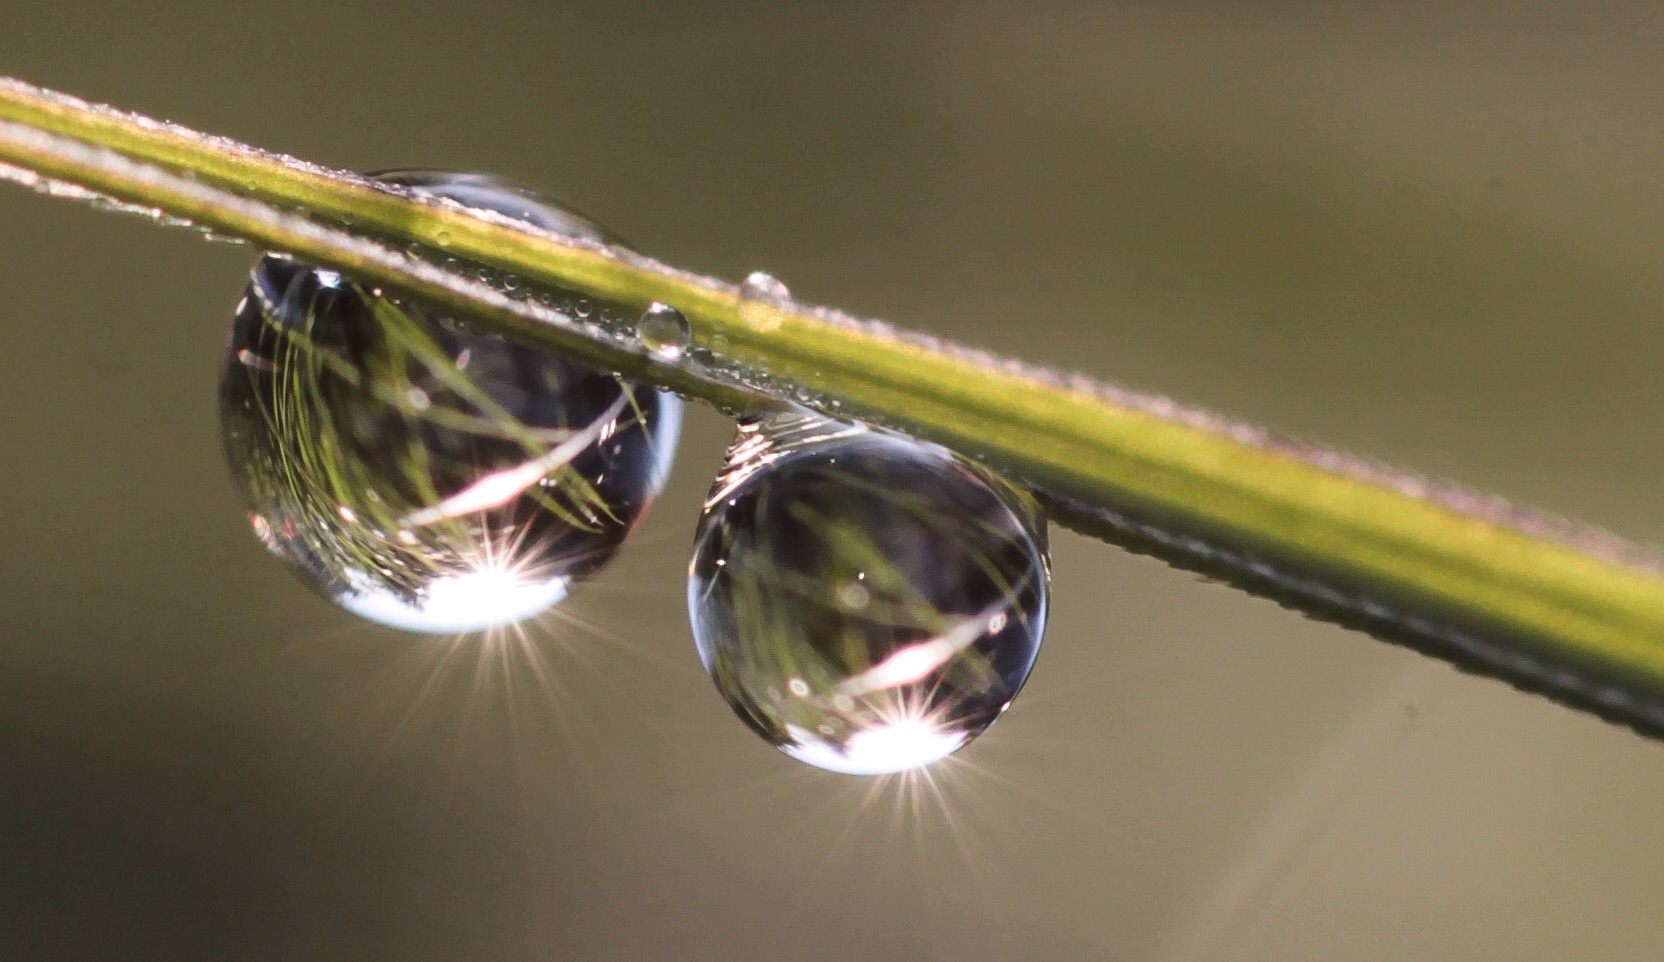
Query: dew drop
x=761 y=299
x=664 y=330
x=762 y=286
x=442 y=238
x=865 y=602
x=420 y=475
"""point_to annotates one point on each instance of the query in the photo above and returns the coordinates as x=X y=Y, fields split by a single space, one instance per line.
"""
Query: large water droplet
x=664 y=330
x=865 y=602
x=421 y=475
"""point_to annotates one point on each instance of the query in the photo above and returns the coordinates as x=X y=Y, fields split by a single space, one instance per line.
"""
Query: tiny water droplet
x=421 y=475
x=582 y=307
x=442 y=238
x=865 y=602
x=764 y=286
x=761 y=299
x=664 y=330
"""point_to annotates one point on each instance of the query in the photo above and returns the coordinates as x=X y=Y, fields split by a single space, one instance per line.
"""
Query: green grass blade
x=1543 y=604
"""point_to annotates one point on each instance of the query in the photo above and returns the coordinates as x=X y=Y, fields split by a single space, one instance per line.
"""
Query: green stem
x=1543 y=604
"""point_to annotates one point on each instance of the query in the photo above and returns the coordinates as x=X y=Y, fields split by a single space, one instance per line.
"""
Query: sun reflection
x=909 y=739
x=492 y=595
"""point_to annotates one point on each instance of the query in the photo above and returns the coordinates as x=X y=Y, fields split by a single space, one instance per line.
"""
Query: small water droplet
x=764 y=286
x=442 y=238
x=762 y=297
x=664 y=330
x=897 y=591
x=396 y=462
x=582 y=307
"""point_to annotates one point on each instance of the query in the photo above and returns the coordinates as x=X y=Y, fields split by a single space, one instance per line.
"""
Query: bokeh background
x=1429 y=233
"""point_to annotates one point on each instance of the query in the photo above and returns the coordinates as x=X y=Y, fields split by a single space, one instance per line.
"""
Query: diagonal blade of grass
x=1543 y=604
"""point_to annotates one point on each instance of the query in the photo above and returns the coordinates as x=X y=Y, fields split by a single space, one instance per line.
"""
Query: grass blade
x=1544 y=604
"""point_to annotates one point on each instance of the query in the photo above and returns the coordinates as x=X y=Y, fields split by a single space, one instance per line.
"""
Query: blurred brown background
x=1431 y=236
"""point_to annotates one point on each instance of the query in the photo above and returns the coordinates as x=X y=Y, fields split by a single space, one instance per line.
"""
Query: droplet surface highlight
x=416 y=473
x=664 y=330
x=865 y=602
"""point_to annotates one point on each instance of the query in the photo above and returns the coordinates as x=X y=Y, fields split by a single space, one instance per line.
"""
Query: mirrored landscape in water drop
x=865 y=602
x=417 y=473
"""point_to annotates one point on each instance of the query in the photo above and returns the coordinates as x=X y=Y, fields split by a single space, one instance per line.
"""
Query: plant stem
x=1546 y=605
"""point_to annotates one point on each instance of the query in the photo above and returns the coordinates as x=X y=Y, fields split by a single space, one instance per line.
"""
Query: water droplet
x=442 y=238
x=850 y=579
x=420 y=475
x=761 y=299
x=664 y=330
x=762 y=286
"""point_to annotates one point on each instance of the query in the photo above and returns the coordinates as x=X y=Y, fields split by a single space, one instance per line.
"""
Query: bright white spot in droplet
x=882 y=750
x=798 y=687
x=460 y=603
x=329 y=279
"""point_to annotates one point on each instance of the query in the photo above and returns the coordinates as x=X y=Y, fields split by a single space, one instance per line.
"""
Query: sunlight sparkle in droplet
x=884 y=749
x=459 y=603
